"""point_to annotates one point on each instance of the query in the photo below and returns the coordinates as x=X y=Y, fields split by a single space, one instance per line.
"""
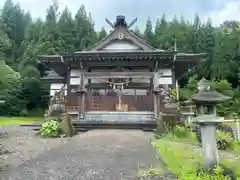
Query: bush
x=219 y=172
x=224 y=140
x=226 y=128
x=23 y=113
x=180 y=132
x=51 y=128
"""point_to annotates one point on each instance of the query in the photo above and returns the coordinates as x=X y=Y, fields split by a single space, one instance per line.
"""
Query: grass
x=179 y=157
x=4 y=121
x=182 y=157
x=236 y=148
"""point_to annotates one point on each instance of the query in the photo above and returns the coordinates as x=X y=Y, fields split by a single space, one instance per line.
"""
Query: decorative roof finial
x=120 y=21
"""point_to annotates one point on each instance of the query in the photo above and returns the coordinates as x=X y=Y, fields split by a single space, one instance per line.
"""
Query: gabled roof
x=122 y=33
x=119 y=34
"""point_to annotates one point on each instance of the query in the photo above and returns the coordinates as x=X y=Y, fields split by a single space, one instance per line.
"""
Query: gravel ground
x=95 y=155
x=23 y=144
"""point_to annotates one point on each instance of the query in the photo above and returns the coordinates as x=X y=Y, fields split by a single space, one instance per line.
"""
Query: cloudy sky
x=218 y=10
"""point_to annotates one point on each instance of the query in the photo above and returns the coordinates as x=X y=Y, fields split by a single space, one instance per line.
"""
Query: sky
x=217 y=10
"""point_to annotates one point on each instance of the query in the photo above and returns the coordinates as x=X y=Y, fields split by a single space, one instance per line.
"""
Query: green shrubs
x=180 y=132
x=224 y=140
x=217 y=173
x=51 y=129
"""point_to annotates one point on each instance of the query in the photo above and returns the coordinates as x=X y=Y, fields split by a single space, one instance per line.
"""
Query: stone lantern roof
x=211 y=96
x=206 y=95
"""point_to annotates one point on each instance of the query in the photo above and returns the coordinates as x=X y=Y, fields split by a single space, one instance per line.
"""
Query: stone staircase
x=116 y=120
x=111 y=120
x=115 y=117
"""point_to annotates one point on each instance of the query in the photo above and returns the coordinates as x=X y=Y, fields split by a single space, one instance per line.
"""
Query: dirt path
x=100 y=155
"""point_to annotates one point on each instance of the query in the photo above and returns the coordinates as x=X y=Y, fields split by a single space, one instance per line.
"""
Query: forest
x=23 y=38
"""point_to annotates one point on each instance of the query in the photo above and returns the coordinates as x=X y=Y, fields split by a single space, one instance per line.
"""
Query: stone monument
x=206 y=100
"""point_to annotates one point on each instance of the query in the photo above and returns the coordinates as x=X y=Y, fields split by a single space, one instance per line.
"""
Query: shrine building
x=119 y=75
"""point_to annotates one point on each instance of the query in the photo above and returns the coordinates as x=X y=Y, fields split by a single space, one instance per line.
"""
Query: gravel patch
x=22 y=144
x=98 y=154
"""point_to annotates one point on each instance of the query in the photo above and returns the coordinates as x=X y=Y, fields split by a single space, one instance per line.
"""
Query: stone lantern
x=206 y=100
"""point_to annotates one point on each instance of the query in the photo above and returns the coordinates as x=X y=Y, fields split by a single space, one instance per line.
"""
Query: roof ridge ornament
x=121 y=22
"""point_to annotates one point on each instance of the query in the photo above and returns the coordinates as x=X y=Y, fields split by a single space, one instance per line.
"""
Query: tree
x=51 y=41
x=207 y=45
x=14 y=22
x=137 y=32
x=66 y=28
x=148 y=32
x=161 y=40
x=102 y=34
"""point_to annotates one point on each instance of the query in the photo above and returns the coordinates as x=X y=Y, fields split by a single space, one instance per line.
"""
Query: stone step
x=118 y=116
x=84 y=126
x=112 y=120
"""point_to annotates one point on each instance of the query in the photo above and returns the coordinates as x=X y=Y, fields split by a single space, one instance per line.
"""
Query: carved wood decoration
x=121 y=36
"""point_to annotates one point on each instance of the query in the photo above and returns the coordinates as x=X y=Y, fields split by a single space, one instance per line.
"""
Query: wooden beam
x=129 y=86
x=118 y=74
x=124 y=62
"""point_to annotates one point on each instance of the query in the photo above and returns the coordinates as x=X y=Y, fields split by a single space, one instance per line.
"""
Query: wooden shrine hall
x=121 y=75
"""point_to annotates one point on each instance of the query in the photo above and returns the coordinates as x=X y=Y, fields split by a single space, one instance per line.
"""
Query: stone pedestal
x=209 y=145
x=208 y=124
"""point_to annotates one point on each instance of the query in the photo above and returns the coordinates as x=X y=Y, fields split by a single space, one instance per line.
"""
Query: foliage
x=51 y=129
x=180 y=132
x=235 y=107
x=224 y=140
x=184 y=161
x=191 y=88
x=221 y=86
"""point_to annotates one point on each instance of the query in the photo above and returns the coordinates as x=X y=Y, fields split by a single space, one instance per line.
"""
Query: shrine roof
x=121 y=42
x=179 y=56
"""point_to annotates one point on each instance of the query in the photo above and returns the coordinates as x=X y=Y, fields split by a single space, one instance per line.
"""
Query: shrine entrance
x=119 y=94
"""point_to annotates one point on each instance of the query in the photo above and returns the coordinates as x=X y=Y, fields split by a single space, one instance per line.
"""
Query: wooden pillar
x=155 y=94
x=81 y=99
x=68 y=86
x=173 y=78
